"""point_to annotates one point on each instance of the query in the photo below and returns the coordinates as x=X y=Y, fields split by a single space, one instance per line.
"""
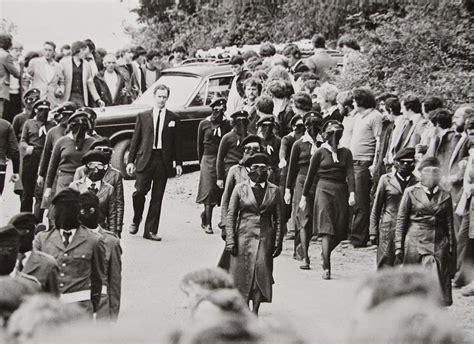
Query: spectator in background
x=326 y=98
x=7 y=68
x=93 y=58
x=278 y=72
x=278 y=90
x=266 y=52
x=348 y=44
x=8 y=149
x=66 y=50
x=345 y=102
x=308 y=87
x=248 y=54
x=260 y=75
x=236 y=95
x=293 y=54
x=252 y=89
x=109 y=83
x=428 y=105
x=47 y=75
x=14 y=105
x=126 y=70
x=79 y=78
x=138 y=60
x=254 y=63
x=178 y=53
x=320 y=62
x=152 y=68
x=302 y=78
x=365 y=146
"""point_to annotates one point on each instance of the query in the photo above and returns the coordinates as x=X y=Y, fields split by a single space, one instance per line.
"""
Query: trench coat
x=383 y=217
x=425 y=233
x=256 y=232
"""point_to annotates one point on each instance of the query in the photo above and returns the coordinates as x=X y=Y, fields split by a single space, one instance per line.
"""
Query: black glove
x=277 y=251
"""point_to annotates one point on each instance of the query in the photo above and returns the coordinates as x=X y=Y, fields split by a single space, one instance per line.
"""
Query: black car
x=192 y=88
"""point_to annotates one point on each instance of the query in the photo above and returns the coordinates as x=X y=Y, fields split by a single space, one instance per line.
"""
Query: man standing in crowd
x=7 y=68
x=365 y=145
x=126 y=70
x=109 y=83
x=66 y=50
x=47 y=75
x=156 y=144
x=178 y=55
x=38 y=264
x=8 y=149
x=152 y=68
x=293 y=54
x=235 y=100
x=138 y=61
x=79 y=252
x=78 y=77
x=16 y=84
x=321 y=61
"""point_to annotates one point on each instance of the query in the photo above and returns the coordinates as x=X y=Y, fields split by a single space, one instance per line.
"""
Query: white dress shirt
x=89 y=182
x=111 y=79
x=252 y=184
x=162 y=114
x=73 y=231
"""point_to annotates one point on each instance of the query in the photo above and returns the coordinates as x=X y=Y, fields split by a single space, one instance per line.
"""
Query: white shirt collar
x=329 y=111
x=427 y=191
x=400 y=177
x=73 y=232
x=252 y=184
x=307 y=138
x=89 y=182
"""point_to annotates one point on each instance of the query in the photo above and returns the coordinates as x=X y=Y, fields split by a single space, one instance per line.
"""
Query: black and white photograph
x=236 y=171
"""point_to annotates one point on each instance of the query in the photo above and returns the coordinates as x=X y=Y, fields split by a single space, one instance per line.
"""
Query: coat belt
x=82 y=295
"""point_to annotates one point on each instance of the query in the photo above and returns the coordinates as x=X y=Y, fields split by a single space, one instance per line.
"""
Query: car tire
x=118 y=157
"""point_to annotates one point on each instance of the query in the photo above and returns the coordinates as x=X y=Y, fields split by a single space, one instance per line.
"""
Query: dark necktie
x=157 y=131
x=143 y=81
x=93 y=188
x=67 y=236
x=259 y=193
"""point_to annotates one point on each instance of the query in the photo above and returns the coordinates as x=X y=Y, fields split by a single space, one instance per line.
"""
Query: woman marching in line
x=424 y=234
x=210 y=132
x=300 y=158
x=254 y=232
x=333 y=169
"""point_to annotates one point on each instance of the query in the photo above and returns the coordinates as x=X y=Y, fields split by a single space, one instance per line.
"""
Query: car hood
x=114 y=111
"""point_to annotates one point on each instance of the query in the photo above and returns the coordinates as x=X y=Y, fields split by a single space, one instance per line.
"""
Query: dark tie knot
x=93 y=188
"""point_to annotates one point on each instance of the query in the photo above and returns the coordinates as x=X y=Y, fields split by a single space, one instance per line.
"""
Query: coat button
x=65 y=254
x=61 y=284
x=61 y=274
x=63 y=264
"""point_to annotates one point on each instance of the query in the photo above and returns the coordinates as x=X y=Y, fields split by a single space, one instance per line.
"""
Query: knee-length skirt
x=208 y=192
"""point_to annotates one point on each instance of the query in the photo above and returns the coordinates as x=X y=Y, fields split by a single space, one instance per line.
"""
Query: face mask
x=333 y=138
x=266 y=131
x=66 y=217
x=26 y=242
x=258 y=175
x=241 y=127
x=8 y=262
x=89 y=217
x=217 y=116
x=403 y=169
x=95 y=175
x=42 y=116
x=300 y=129
x=312 y=131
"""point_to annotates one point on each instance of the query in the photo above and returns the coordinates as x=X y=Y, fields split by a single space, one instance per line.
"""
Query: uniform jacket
x=53 y=135
x=87 y=80
x=46 y=270
x=104 y=92
x=7 y=67
x=287 y=143
x=425 y=227
x=237 y=174
x=256 y=232
x=142 y=141
x=229 y=154
x=8 y=145
x=272 y=149
x=114 y=178
x=18 y=123
x=37 y=71
x=81 y=263
x=30 y=135
x=106 y=195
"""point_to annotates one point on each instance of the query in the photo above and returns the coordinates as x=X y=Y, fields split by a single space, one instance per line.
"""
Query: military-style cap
x=67 y=195
x=295 y=120
x=68 y=108
x=95 y=155
x=310 y=114
x=405 y=154
x=89 y=111
x=32 y=93
x=312 y=117
x=42 y=104
x=101 y=142
x=24 y=222
x=9 y=236
x=218 y=102
x=240 y=113
x=258 y=158
x=429 y=162
x=332 y=125
x=251 y=139
x=267 y=119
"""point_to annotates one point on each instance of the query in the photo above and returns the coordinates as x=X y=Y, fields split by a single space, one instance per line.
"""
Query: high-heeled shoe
x=326 y=275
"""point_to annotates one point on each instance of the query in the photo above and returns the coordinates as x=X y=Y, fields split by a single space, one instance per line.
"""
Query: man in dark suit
x=156 y=144
x=7 y=67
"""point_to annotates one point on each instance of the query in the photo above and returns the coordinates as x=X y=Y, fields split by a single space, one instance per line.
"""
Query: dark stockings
x=329 y=243
x=305 y=237
x=256 y=298
x=207 y=218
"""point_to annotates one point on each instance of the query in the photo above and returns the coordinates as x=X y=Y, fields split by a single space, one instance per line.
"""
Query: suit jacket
x=37 y=71
x=81 y=263
x=87 y=80
x=131 y=83
x=460 y=152
x=105 y=93
x=106 y=195
x=114 y=178
x=7 y=67
x=142 y=141
x=8 y=145
x=46 y=270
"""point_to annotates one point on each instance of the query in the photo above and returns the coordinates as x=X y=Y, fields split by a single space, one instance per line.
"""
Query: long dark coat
x=383 y=218
x=425 y=233
x=256 y=232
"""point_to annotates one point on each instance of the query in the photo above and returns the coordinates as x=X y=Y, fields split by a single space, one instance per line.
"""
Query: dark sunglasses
x=251 y=149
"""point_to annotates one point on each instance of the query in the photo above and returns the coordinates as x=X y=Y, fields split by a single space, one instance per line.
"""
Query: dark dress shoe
x=208 y=229
x=133 y=229
x=153 y=237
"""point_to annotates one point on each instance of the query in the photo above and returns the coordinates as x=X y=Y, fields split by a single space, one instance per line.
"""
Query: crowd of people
x=287 y=156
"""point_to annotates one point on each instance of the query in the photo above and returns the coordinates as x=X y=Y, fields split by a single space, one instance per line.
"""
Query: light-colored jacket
x=87 y=80
x=7 y=67
x=47 y=86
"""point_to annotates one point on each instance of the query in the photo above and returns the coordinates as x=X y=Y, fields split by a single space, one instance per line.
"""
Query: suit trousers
x=465 y=254
x=2 y=106
x=3 y=174
x=153 y=177
x=12 y=107
x=28 y=178
x=361 y=210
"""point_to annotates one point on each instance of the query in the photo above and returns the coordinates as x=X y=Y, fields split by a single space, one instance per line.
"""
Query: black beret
x=67 y=195
x=240 y=113
x=42 y=104
x=9 y=236
x=89 y=111
x=88 y=199
x=218 y=102
x=332 y=125
x=251 y=139
x=95 y=155
x=101 y=142
x=236 y=60
x=268 y=119
x=405 y=154
x=33 y=92
x=295 y=119
x=258 y=158
x=428 y=162
x=24 y=221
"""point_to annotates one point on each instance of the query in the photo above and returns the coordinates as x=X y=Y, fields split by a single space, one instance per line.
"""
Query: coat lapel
x=32 y=264
x=57 y=240
x=250 y=195
x=394 y=182
x=78 y=239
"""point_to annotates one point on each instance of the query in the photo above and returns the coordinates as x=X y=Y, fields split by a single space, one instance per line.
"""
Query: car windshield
x=181 y=87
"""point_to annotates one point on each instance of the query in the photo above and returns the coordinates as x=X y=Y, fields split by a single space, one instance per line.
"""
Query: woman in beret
x=254 y=232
